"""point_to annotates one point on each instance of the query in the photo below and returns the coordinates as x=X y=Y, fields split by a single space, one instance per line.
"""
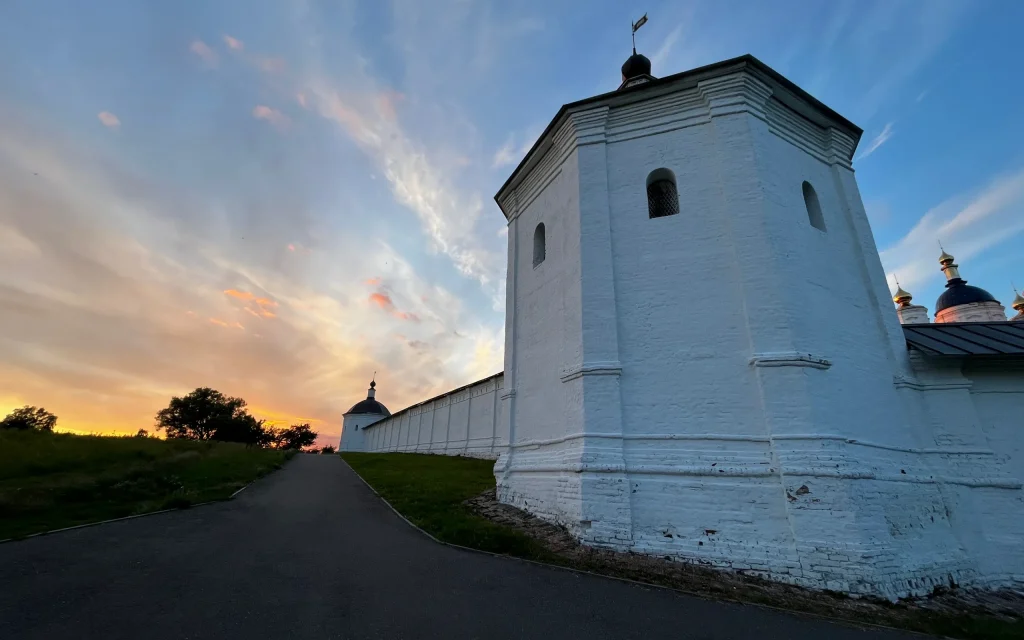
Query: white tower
x=907 y=312
x=701 y=357
x=361 y=415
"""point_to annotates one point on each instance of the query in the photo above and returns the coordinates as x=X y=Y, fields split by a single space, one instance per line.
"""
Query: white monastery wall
x=464 y=421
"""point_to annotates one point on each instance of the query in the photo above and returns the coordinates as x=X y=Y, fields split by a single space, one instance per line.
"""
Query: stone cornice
x=591 y=369
x=789 y=359
x=578 y=128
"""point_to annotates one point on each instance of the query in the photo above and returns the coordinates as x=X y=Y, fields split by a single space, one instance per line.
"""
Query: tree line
x=203 y=414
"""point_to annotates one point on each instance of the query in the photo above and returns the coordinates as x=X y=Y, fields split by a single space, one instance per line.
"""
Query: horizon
x=277 y=199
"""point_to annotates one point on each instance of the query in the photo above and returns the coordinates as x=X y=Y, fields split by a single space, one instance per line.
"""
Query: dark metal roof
x=958 y=292
x=369 y=406
x=966 y=338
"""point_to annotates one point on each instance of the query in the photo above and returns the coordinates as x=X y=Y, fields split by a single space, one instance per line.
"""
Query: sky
x=279 y=198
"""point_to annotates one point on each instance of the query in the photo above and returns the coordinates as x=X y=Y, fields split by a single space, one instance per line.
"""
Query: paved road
x=310 y=552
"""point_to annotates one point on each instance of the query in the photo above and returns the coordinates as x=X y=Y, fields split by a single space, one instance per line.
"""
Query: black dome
x=369 y=406
x=958 y=292
x=636 y=65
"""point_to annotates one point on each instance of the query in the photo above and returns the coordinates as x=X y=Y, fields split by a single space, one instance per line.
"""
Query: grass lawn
x=50 y=481
x=430 y=490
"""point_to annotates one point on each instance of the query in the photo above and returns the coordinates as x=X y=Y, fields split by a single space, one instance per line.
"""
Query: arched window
x=813 y=207
x=662 y=197
x=539 y=250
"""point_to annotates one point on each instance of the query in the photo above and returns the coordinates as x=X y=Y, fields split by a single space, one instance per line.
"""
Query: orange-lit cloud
x=373 y=282
x=273 y=116
x=384 y=301
x=233 y=43
x=264 y=302
x=109 y=120
x=204 y=51
x=224 y=323
x=241 y=295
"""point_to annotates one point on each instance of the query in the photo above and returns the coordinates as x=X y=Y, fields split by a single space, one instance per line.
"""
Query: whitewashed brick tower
x=702 y=360
x=361 y=415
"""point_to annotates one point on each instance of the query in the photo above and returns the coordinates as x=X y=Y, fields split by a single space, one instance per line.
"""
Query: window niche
x=814 y=214
x=539 y=245
x=662 y=195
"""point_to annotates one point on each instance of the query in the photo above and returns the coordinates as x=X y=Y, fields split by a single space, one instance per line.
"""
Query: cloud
x=273 y=116
x=878 y=141
x=301 y=99
x=233 y=43
x=661 y=55
x=373 y=282
x=512 y=153
x=448 y=216
x=204 y=51
x=271 y=64
x=241 y=295
x=384 y=301
x=109 y=120
x=967 y=226
x=225 y=323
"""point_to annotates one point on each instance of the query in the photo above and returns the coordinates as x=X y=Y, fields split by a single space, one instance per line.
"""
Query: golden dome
x=1018 y=302
x=945 y=257
x=901 y=297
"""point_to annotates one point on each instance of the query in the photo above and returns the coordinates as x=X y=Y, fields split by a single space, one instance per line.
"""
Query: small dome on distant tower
x=1018 y=306
x=370 y=405
x=901 y=297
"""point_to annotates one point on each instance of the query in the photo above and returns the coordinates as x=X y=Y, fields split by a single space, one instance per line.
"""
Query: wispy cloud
x=109 y=120
x=233 y=43
x=877 y=141
x=203 y=50
x=967 y=225
x=273 y=116
x=512 y=152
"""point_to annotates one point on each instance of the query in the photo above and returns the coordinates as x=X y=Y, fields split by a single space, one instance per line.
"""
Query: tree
x=141 y=433
x=29 y=418
x=245 y=429
x=296 y=436
x=328 y=450
x=207 y=414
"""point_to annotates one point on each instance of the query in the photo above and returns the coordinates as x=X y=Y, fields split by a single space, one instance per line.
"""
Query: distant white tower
x=361 y=415
x=702 y=360
x=908 y=313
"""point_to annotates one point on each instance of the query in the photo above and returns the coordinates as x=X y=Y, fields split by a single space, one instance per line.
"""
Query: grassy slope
x=50 y=481
x=429 y=490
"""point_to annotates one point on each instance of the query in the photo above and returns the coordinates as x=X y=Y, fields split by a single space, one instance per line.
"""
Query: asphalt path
x=311 y=552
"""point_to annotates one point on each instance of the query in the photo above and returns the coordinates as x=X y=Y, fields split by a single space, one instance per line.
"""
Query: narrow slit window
x=662 y=196
x=813 y=207
x=539 y=242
